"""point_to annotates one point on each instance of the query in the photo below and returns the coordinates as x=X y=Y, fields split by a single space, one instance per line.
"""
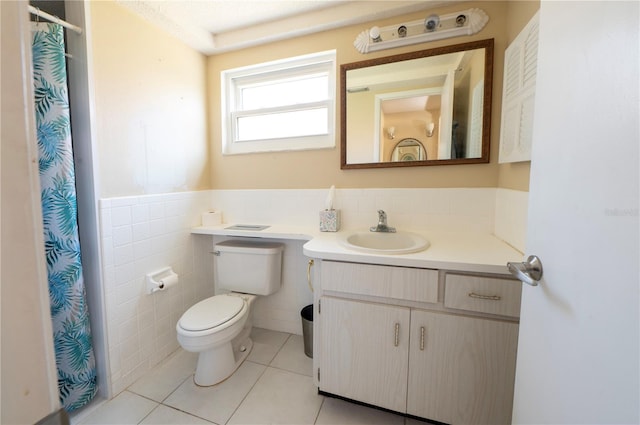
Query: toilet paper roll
x=168 y=282
x=211 y=218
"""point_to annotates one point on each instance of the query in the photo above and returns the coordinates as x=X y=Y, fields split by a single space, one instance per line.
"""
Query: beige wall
x=321 y=168
x=362 y=107
x=150 y=107
x=158 y=112
x=406 y=127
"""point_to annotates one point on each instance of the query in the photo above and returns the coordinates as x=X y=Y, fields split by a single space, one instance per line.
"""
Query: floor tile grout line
x=162 y=403
x=287 y=370
x=291 y=371
x=150 y=412
x=266 y=367
x=190 y=376
x=190 y=414
x=139 y=395
x=277 y=351
x=172 y=356
x=247 y=394
x=320 y=409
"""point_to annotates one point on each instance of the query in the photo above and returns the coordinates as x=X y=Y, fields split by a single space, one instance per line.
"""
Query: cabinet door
x=518 y=93
x=364 y=352
x=462 y=369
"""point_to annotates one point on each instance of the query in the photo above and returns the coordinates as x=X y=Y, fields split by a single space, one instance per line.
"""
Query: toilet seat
x=211 y=313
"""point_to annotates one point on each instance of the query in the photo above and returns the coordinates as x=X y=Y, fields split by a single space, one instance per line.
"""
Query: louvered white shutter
x=520 y=66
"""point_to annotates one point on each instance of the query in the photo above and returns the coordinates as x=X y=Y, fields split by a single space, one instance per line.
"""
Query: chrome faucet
x=382 y=224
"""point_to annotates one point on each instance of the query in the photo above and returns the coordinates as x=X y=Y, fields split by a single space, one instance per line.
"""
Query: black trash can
x=307 y=329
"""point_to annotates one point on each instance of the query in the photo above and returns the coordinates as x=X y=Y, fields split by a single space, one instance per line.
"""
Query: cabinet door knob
x=421 y=338
x=397 y=337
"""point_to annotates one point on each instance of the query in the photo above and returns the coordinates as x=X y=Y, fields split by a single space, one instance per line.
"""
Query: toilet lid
x=211 y=312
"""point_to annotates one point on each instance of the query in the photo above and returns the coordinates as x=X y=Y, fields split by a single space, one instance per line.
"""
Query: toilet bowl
x=218 y=328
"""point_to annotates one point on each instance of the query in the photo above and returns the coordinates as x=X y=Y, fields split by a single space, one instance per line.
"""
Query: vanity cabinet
x=365 y=349
x=461 y=369
x=428 y=343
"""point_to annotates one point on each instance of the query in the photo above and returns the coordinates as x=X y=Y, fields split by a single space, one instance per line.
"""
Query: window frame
x=234 y=80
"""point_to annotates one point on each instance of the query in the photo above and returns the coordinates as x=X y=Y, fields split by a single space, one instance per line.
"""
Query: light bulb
x=431 y=23
x=374 y=33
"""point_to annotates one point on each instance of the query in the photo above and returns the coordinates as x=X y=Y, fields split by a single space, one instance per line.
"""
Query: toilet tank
x=252 y=267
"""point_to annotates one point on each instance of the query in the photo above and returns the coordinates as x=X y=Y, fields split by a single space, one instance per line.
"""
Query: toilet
x=219 y=327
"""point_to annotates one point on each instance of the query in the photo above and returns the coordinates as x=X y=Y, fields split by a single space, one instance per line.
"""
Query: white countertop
x=273 y=231
x=461 y=251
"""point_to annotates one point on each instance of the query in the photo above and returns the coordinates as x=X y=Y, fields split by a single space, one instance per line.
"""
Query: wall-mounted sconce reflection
x=357 y=89
x=391 y=132
x=433 y=27
x=430 y=128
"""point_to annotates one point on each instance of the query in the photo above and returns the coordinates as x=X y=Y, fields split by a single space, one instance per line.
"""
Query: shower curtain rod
x=54 y=19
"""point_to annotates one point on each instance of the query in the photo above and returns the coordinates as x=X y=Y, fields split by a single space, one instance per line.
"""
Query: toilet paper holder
x=161 y=280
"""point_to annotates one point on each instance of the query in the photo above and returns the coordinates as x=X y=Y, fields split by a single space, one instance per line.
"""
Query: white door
x=578 y=351
x=446 y=117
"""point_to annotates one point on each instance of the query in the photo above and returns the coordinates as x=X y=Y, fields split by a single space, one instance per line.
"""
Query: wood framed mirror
x=440 y=97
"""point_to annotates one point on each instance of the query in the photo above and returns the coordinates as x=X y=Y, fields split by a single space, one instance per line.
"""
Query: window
x=282 y=105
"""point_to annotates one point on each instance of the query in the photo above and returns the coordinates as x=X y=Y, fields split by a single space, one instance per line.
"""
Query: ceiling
x=216 y=26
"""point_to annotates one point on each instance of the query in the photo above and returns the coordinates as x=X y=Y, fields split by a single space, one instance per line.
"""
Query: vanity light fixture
x=430 y=128
x=433 y=27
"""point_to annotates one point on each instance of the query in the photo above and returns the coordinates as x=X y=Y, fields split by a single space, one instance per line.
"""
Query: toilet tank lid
x=255 y=247
x=211 y=312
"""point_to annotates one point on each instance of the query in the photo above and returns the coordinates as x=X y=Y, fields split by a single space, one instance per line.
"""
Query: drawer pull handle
x=309 y=265
x=485 y=297
x=421 y=338
x=396 y=342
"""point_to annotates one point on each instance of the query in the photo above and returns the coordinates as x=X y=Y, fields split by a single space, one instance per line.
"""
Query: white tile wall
x=461 y=209
x=511 y=217
x=281 y=311
x=140 y=235
x=145 y=233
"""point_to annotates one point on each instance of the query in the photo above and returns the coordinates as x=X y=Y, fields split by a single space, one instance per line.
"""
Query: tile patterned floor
x=273 y=386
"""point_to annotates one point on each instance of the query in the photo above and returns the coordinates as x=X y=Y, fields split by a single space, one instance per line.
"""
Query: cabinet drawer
x=403 y=283
x=483 y=294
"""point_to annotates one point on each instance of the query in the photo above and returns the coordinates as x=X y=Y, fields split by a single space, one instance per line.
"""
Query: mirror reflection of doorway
x=408 y=150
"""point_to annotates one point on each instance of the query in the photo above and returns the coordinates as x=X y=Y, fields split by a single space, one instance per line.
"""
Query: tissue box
x=329 y=220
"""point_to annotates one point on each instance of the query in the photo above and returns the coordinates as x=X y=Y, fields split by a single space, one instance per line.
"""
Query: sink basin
x=385 y=243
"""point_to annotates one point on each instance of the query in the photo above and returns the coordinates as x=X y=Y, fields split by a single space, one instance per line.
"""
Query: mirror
x=431 y=107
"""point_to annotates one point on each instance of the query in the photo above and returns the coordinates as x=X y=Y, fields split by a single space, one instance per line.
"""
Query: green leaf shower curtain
x=71 y=333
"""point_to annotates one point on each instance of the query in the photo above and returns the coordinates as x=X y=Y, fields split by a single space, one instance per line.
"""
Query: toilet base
x=216 y=365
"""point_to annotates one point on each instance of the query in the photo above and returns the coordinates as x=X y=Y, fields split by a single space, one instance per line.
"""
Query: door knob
x=529 y=272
